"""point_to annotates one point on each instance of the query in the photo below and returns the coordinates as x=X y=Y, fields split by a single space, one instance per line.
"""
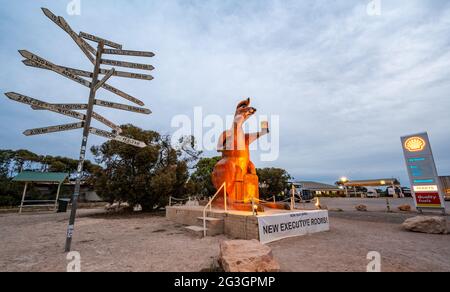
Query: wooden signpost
x=94 y=83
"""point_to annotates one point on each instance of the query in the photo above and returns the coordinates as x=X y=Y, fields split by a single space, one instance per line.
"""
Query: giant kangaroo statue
x=236 y=169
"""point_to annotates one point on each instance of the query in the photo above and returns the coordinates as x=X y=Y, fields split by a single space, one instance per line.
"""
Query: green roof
x=48 y=177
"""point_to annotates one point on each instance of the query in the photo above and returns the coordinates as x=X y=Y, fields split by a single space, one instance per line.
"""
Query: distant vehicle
x=372 y=193
x=407 y=192
x=306 y=195
x=391 y=192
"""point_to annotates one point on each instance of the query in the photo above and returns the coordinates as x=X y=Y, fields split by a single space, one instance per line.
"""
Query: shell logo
x=415 y=144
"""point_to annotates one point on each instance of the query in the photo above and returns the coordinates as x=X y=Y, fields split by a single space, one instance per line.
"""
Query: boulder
x=404 y=208
x=361 y=208
x=426 y=224
x=247 y=256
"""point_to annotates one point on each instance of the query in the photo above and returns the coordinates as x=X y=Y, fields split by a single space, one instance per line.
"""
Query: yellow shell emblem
x=415 y=144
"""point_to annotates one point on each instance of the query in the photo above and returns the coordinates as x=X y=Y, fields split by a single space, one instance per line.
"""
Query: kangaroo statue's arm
x=255 y=136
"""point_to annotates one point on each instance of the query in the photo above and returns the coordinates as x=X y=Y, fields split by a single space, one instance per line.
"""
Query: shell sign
x=415 y=144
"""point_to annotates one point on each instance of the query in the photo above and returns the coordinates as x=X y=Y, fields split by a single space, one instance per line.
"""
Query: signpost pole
x=87 y=125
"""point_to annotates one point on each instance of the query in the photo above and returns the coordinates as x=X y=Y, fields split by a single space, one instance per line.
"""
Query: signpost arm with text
x=96 y=83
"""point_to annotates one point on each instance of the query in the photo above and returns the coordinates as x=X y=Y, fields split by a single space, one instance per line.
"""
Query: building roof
x=42 y=177
x=310 y=185
x=372 y=183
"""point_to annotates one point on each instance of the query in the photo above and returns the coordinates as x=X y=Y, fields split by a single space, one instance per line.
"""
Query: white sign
x=430 y=188
x=280 y=226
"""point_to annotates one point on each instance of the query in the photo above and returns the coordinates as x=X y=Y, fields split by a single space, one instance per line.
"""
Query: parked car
x=372 y=193
x=407 y=192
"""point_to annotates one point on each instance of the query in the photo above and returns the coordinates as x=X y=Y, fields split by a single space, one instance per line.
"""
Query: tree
x=272 y=181
x=145 y=176
x=202 y=176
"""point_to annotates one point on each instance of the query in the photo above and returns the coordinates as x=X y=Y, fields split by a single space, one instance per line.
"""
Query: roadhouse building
x=445 y=182
x=318 y=189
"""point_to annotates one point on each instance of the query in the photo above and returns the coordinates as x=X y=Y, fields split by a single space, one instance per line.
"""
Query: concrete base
x=234 y=224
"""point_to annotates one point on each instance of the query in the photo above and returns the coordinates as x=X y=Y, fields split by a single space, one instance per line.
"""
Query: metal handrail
x=224 y=187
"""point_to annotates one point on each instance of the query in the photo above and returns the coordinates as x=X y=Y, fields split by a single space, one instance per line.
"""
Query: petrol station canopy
x=372 y=183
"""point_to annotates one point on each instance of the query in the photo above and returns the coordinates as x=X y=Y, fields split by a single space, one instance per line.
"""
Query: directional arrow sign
x=122 y=107
x=98 y=40
x=103 y=81
x=66 y=73
x=61 y=22
x=67 y=106
x=128 y=53
x=53 y=129
x=106 y=122
x=122 y=94
x=39 y=103
x=89 y=74
x=127 y=64
x=129 y=75
x=85 y=47
x=115 y=137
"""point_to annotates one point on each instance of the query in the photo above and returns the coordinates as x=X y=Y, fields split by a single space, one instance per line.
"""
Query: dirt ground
x=152 y=243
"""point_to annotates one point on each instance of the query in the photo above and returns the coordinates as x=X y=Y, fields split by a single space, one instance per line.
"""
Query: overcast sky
x=346 y=85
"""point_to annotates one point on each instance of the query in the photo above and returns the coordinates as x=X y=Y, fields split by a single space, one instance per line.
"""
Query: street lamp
x=343 y=181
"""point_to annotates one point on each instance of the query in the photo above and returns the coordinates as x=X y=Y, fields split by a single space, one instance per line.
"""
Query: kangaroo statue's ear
x=244 y=103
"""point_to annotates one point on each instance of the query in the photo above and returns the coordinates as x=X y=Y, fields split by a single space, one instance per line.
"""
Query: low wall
x=236 y=226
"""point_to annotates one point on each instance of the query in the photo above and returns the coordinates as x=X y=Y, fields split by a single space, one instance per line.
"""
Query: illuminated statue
x=235 y=169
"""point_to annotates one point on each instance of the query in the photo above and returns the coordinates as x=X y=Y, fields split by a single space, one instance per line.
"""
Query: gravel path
x=152 y=243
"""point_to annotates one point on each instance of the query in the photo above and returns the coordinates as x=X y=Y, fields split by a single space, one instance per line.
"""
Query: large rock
x=361 y=208
x=405 y=208
x=426 y=224
x=247 y=256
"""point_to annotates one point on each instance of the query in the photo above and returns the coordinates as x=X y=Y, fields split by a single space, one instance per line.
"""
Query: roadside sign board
x=422 y=172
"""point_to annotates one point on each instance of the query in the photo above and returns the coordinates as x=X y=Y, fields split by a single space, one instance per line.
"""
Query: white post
x=170 y=201
x=57 y=196
x=23 y=197
x=274 y=200
x=292 y=198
